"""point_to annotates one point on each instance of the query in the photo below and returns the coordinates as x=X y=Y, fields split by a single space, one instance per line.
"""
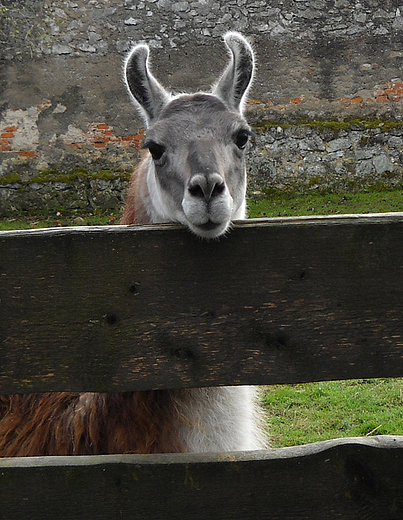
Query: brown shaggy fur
x=89 y=423
x=64 y=423
x=134 y=211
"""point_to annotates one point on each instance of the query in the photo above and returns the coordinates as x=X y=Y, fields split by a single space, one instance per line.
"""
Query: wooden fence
x=133 y=308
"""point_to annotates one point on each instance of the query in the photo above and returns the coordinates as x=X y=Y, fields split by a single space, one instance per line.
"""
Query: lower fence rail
x=352 y=478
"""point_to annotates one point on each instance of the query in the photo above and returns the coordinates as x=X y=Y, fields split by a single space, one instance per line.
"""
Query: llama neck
x=145 y=202
x=135 y=210
x=193 y=420
x=219 y=419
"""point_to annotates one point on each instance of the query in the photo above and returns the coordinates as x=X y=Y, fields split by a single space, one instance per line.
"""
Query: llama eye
x=241 y=138
x=156 y=150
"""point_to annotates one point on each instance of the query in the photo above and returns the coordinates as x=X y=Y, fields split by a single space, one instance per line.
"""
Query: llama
x=194 y=174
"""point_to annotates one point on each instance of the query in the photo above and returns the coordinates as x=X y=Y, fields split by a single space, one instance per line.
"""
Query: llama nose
x=206 y=186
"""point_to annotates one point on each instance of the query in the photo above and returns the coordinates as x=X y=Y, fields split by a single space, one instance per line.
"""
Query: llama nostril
x=196 y=191
x=218 y=189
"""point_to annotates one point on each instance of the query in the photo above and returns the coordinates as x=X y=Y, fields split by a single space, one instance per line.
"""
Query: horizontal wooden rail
x=276 y=301
x=347 y=479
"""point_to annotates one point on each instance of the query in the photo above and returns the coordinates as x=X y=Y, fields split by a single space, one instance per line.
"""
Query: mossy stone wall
x=326 y=101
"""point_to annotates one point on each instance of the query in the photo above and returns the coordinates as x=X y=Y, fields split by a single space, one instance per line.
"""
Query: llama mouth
x=209 y=229
x=208 y=226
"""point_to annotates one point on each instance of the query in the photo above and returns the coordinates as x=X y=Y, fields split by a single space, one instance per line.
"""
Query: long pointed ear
x=142 y=85
x=233 y=85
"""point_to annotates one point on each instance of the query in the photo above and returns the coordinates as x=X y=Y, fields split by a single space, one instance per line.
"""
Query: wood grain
x=276 y=301
x=340 y=479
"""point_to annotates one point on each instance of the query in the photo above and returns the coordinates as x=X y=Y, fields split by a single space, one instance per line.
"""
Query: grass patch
x=304 y=413
x=60 y=220
x=273 y=204
x=283 y=204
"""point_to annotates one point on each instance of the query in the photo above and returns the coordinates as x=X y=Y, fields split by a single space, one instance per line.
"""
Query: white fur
x=221 y=419
x=159 y=205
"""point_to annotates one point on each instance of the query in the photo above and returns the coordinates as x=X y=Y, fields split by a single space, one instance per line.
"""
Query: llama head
x=197 y=142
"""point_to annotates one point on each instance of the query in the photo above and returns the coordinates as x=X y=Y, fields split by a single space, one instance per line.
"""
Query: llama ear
x=233 y=85
x=142 y=85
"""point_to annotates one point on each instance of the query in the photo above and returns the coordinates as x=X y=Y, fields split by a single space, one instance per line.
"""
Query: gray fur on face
x=196 y=173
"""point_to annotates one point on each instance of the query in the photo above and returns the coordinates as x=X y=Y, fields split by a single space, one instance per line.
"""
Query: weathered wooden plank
x=276 y=301
x=341 y=479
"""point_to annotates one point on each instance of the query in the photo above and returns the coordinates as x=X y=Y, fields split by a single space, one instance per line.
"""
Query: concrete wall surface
x=326 y=102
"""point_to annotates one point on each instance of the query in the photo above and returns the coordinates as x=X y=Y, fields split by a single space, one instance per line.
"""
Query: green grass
x=304 y=413
x=59 y=220
x=273 y=204
x=280 y=204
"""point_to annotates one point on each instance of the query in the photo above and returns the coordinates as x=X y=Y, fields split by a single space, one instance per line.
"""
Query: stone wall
x=326 y=101
x=327 y=155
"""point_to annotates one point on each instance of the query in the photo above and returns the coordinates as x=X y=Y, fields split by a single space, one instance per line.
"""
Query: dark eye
x=241 y=139
x=156 y=150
